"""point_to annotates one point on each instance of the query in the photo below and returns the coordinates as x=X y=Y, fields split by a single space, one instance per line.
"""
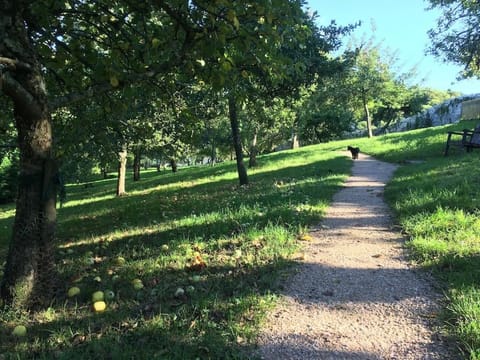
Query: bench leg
x=448 y=145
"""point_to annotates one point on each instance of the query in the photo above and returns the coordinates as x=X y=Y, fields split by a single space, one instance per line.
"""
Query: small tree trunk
x=136 y=165
x=122 y=171
x=367 y=118
x=173 y=164
x=237 y=142
x=295 y=143
x=252 y=162
x=213 y=154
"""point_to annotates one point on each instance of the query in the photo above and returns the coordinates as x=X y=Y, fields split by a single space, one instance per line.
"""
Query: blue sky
x=402 y=27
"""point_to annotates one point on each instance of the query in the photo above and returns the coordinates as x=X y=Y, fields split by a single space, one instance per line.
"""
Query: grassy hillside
x=191 y=260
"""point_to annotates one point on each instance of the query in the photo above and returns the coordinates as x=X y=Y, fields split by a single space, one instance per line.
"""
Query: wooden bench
x=470 y=139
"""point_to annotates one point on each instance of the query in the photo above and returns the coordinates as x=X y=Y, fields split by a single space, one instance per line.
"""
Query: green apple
x=109 y=295
x=164 y=247
x=196 y=278
x=19 y=331
x=137 y=284
x=120 y=261
x=98 y=296
x=179 y=292
x=155 y=43
x=73 y=291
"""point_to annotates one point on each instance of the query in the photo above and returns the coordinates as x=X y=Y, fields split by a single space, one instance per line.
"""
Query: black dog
x=354 y=151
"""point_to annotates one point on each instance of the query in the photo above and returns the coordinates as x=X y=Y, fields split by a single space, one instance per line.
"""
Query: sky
x=402 y=27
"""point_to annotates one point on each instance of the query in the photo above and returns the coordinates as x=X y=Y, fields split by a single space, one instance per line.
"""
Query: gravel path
x=355 y=296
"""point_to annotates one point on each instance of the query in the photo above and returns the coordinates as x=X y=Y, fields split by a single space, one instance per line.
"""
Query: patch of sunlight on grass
x=90 y=200
x=7 y=213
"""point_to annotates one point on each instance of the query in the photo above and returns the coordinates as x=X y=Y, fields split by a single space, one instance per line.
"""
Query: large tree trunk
x=136 y=165
x=29 y=276
x=237 y=142
x=122 y=171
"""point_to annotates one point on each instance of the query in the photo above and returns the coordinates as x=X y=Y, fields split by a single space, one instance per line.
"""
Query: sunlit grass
x=436 y=200
x=227 y=247
x=209 y=255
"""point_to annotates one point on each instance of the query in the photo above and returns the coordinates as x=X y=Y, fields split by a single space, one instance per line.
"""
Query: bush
x=8 y=178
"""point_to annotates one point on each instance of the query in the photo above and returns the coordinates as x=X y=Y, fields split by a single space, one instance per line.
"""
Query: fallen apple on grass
x=99 y=306
x=109 y=295
x=98 y=296
x=19 y=331
x=137 y=284
x=73 y=291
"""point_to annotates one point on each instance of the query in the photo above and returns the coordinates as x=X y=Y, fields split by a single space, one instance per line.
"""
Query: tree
x=370 y=77
x=80 y=49
x=457 y=35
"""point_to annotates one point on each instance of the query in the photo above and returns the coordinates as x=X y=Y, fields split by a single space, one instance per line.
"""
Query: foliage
x=369 y=85
x=8 y=178
x=456 y=37
x=226 y=246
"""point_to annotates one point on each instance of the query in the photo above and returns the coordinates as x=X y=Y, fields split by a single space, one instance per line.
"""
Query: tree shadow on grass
x=206 y=323
x=153 y=322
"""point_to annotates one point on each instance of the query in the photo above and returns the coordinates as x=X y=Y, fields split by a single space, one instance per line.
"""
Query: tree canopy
x=456 y=37
x=56 y=54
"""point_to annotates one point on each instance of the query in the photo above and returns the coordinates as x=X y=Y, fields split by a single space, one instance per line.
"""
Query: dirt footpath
x=356 y=296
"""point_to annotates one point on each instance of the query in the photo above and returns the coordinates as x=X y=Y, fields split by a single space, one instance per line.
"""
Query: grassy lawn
x=189 y=261
x=207 y=255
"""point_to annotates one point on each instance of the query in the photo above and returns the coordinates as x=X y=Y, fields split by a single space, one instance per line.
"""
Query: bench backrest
x=476 y=136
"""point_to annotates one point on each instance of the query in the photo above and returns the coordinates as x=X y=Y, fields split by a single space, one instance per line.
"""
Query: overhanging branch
x=24 y=101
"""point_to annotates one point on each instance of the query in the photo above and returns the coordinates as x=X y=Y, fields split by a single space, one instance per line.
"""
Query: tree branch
x=13 y=64
x=23 y=100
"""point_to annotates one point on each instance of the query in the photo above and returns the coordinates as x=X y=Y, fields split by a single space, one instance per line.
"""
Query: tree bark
x=237 y=142
x=136 y=165
x=367 y=117
x=30 y=276
x=213 y=154
x=122 y=171
x=173 y=164
x=295 y=143
x=252 y=162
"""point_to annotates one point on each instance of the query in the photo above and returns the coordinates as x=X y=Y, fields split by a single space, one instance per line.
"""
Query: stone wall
x=471 y=109
x=448 y=112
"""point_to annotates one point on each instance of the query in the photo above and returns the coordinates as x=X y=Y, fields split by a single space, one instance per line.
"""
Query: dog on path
x=354 y=151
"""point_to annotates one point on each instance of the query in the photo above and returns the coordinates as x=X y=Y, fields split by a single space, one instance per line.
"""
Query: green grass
x=226 y=246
